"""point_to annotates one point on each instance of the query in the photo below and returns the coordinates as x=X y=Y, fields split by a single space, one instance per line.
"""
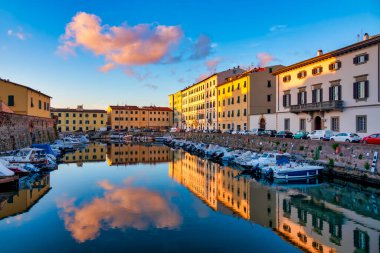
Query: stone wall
x=18 y=131
x=351 y=156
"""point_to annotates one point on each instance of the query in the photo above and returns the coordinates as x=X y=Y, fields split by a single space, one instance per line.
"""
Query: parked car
x=227 y=131
x=300 y=135
x=371 y=139
x=257 y=131
x=323 y=135
x=346 y=137
x=284 y=134
x=216 y=131
x=244 y=132
x=174 y=130
x=268 y=133
x=235 y=132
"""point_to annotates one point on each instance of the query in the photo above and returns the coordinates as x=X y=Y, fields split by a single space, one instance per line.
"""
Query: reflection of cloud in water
x=120 y=207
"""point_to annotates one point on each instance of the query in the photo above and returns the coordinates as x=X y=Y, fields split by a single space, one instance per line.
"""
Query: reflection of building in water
x=198 y=175
x=22 y=200
x=123 y=154
x=233 y=191
x=321 y=226
x=94 y=152
x=322 y=218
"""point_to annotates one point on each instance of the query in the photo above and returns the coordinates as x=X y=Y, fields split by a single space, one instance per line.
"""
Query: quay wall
x=19 y=131
x=354 y=159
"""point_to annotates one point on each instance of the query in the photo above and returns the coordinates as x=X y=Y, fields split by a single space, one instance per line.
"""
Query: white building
x=339 y=90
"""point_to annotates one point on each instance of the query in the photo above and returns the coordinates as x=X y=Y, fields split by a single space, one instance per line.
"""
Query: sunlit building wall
x=93 y=152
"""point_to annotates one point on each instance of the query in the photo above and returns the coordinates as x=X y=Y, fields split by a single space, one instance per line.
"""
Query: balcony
x=336 y=105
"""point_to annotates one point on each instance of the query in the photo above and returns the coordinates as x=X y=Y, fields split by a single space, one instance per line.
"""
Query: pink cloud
x=201 y=77
x=213 y=64
x=119 y=208
x=18 y=33
x=264 y=59
x=124 y=45
x=107 y=67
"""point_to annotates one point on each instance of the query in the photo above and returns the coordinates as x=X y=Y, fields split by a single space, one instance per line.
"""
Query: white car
x=235 y=132
x=346 y=137
x=323 y=135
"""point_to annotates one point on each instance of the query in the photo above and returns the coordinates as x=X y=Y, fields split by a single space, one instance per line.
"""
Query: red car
x=372 y=139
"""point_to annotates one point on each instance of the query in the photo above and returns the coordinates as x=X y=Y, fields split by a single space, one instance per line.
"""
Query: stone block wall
x=19 y=131
x=353 y=156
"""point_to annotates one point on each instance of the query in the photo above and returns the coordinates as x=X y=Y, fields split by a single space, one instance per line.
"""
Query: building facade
x=24 y=100
x=79 y=119
x=198 y=107
x=339 y=90
x=175 y=103
x=133 y=117
x=250 y=93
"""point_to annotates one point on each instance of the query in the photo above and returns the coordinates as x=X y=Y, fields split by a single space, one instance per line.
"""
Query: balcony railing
x=336 y=105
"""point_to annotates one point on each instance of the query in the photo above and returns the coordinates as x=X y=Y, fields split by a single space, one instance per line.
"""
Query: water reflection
x=93 y=152
x=120 y=207
x=31 y=190
x=124 y=154
x=322 y=218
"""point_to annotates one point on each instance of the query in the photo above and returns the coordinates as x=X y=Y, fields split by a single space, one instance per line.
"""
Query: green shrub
x=302 y=148
x=334 y=146
x=331 y=162
x=366 y=166
x=360 y=156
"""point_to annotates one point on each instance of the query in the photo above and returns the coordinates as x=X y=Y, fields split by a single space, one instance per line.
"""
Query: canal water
x=148 y=198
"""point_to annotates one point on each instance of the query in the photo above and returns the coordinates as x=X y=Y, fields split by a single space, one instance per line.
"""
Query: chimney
x=80 y=107
x=365 y=37
x=319 y=52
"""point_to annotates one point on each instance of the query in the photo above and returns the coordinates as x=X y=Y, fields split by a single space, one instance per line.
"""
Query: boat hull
x=296 y=173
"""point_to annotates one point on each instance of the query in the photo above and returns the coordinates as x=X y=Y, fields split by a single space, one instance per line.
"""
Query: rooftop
x=37 y=91
x=77 y=110
x=143 y=108
x=370 y=41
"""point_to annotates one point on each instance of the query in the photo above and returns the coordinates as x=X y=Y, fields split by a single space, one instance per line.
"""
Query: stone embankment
x=349 y=160
x=19 y=131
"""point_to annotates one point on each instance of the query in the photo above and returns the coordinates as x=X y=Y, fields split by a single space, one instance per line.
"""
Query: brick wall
x=18 y=131
x=351 y=156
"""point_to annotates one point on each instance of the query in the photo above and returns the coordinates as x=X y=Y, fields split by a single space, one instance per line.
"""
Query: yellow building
x=198 y=107
x=70 y=120
x=94 y=152
x=175 y=103
x=124 y=154
x=24 y=100
x=252 y=92
x=133 y=117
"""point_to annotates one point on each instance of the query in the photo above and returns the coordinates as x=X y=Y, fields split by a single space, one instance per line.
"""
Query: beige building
x=133 y=117
x=250 y=93
x=79 y=119
x=175 y=103
x=24 y=100
x=198 y=108
x=338 y=90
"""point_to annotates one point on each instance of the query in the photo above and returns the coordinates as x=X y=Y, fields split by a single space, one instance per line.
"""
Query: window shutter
x=339 y=92
x=305 y=97
x=331 y=98
x=290 y=99
x=356 y=60
x=356 y=93
x=331 y=66
x=314 y=97
x=366 y=57
x=339 y=64
x=299 y=98
x=321 y=96
x=284 y=100
x=366 y=88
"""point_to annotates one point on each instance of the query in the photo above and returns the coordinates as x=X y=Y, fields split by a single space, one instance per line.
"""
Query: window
x=317 y=71
x=74 y=122
x=270 y=70
x=360 y=59
x=245 y=98
x=286 y=100
x=269 y=84
x=317 y=95
x=335 y=93
x=361 y=90
x=232 y=101
x=361 y=123
x=245 y=84
x=59 y=114
x=67 y=122
x=268 y=111
x=269 y=98
x=302 y=124
x=45 y=106
x=238 y=113
x=39 y=104
x=287 y=124
x=11 y=100
x=335 y=65
x=31 y=102
x=287 y=78
x=335 y=124
x=361 y=241
x=229 y=101
x=238 y=100
x=302 y=97
x=302 y=74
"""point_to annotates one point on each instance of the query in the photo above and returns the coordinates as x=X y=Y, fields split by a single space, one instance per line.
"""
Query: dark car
x=284 y=134
x=268 y=133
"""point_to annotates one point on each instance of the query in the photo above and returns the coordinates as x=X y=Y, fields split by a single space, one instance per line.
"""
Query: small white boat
x=270 y=159
x=117 y=136
x=295 y=171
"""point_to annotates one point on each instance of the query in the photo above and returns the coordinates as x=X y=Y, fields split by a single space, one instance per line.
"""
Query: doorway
x=262 y=123
x=317 y=123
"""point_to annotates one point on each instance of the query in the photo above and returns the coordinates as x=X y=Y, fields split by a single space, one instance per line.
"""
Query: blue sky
x=199 y=37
